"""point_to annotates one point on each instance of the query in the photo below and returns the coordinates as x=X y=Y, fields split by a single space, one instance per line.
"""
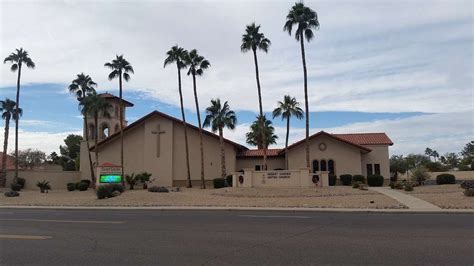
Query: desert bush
x=104 y=191
x=375 y=180
x=420 y=175
x=392 y=185
x=346 y=179
x=356 y=184
x=44 y=186
x=21 y=181
x=229 y=180
x=467 y=184
x=408 y=187
x=398 y=185
x=442 y=179
x=358 y=178
x=15 y=187
x=86 y=181
x=82 y=186
x=144 y=178
x=117 y=187
x=469 y=192
x=219 y=182
x=11 y=193
x=71 y=186
x=332 y=179
x=363 y=186
x=158 y=189
x=132 y=180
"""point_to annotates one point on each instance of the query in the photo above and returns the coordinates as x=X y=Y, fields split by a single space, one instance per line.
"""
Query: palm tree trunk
x=96 y=139
x=203 y=182
x=262 y=125
x=94 y=180
x=286 y=140
x=306 y=107
x=185 y=131
x=17 y=121
x=3 y=172
x=121 y=127
x=221 y=140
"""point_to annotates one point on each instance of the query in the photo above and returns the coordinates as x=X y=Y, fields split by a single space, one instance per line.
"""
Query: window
x=105 y=132
x=257 y=167
x=331 y=166
x=323 y=165
x=377 y=169
x=315 y=166
x=369 y=169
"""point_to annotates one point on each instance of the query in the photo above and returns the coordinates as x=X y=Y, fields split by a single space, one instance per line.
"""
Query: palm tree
x=286 y=109
x=178 y=55
x=306 y=20
x=83 y=86
x=197 y=64
x=8 y=110
x=120 y=69
x=93 y=106
x=218 y=117
x=254 y=136
x=17 y=59
x=253 y=40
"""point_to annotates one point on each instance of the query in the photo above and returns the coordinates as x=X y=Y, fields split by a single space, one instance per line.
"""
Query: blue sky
x=400 y=67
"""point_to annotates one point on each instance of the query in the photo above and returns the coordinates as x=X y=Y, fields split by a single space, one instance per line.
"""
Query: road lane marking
x=25 y=237
x=6 y=213
x=275 y=216
x=64 y=221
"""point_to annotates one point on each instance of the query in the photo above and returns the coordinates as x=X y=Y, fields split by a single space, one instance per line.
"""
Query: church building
x=155 y=144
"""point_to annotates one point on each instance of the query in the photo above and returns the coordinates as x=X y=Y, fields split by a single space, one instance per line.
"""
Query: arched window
x=104 y=131
x=331 y=166
x=315 y=166
x=117 y=128
x=91 y=131
x=323 y=165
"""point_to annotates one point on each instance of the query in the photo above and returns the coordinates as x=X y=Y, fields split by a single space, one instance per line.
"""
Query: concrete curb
x=204 y=208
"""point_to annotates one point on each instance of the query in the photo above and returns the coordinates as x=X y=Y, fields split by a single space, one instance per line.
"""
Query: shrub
x=442 y=179
x=356 y=184
x=229 y=180
x=15 y=187
x=469 y=192
x=346 y=179
x=158 y=189
x=117 y=187
x=71 y=186
x=392 y=185
x=132 y=180
x=358 y=178
x=408 y=187
x=144 y=178
x=11 y=193
x=398 y=185
x=86 y=181
x=77 y=185
x=82 y=186
x=375 y=180
x=467 y=184
x=104 y=192
x=420 y=175
x=219 y=182
x=332 y=179
x=363 y=187
x=44 y=186
x=21 y=181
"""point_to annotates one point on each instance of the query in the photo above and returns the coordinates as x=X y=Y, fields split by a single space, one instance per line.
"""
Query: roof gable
x=366 y=138
x=333 y=136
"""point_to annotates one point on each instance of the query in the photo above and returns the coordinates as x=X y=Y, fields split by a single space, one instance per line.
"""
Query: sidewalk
x=413 y=203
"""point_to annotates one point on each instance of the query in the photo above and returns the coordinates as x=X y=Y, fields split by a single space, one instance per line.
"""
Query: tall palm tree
x=254 y=136
x=93 y=106
x=306 y=20
x=8 y=110
x=120 y=69
x=218 y=117
x=253 y=40
x=178 y=55
x=83 y=86
x=286 y=109
x=197 y=64
x=17 y=59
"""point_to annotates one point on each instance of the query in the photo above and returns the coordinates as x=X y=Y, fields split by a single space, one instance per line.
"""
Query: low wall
x=460 y=175
x=277 y=178
x=57 y=179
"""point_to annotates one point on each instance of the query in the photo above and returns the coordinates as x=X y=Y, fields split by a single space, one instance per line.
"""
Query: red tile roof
x=259 y=153
x=366 y=138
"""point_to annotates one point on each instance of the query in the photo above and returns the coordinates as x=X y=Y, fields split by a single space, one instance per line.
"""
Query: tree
x=9 y=111
x=467 y=153
x=450 y=159
x=17 y=59
x=429 y=152
x=254 y=136
x=251 y=41
x=218 y=117
x=286 y=109
x=178 y=55
x=306 y=20
x=54 y=158
x=93 y=106
x=69 y=152
x=416 y=160
x=197 y=64
x=398 y=165
x=83 y=86
x=120 y=69
x=29 y=158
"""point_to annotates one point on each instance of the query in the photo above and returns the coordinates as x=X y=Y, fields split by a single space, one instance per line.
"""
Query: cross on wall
x=158 y=133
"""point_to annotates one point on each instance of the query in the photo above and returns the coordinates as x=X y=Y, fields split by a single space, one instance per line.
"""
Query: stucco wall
x=57 y=179
x=272 y=162
x=347 y=158
x=378 y=155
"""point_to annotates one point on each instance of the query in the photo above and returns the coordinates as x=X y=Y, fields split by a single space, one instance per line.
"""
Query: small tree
x=420 y=175
x=29 y=158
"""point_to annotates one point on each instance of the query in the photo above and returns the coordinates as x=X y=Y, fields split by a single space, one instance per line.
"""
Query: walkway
x=413 y=203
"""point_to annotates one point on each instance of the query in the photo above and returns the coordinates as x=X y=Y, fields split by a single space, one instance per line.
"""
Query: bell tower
x=107 y=125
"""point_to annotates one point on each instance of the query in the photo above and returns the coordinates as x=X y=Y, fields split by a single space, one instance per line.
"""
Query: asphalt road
x=146 y=237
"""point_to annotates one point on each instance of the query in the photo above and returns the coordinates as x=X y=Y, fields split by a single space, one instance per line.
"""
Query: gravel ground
x=444 y=196
x=332 y=197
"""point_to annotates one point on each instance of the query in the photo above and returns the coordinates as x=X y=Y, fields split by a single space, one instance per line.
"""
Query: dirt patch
x=444 y=196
